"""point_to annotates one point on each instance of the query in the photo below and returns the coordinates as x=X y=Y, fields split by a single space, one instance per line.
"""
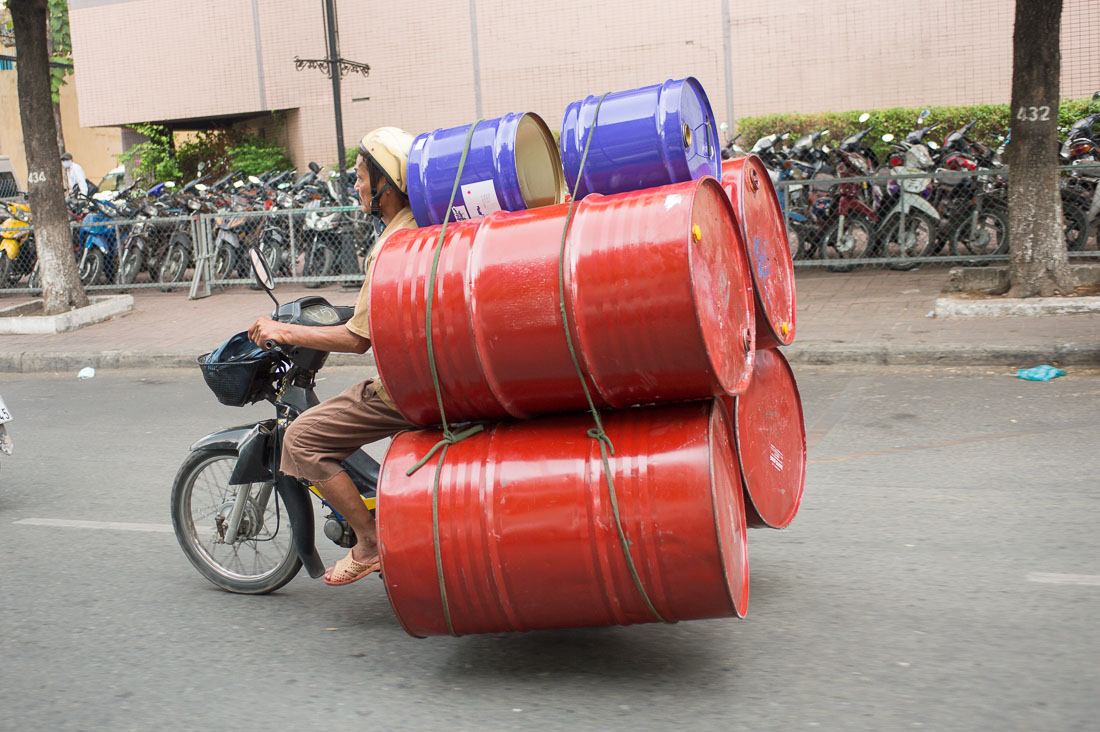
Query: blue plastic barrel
x=512 y=165
x=651 y=136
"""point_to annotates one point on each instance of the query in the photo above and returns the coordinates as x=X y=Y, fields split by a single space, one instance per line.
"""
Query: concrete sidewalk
x=871 y=317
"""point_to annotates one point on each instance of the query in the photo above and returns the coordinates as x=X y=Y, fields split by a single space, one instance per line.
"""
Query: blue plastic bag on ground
x=1040 y=373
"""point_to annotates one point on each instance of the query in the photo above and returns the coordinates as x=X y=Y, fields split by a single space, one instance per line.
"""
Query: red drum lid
x=721 y=284
x=761 y=220
x=770 y=435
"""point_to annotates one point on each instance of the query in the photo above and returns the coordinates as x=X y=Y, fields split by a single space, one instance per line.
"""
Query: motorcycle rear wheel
x=1076 y=224
x=262 y=559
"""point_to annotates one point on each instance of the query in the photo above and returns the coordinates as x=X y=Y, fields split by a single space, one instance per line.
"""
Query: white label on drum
x=776 y=458
x=480 y=198
x=673 y=200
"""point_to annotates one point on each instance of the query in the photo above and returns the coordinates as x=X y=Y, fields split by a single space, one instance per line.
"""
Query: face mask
x=66 y=163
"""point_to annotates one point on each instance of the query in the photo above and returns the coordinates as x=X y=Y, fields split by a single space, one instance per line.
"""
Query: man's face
x=362 y=184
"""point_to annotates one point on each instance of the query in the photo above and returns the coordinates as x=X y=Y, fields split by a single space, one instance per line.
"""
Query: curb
x=1062 y=354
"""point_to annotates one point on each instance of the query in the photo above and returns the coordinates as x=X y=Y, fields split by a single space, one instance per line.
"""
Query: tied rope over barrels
x=596 y=433
x=449 y=437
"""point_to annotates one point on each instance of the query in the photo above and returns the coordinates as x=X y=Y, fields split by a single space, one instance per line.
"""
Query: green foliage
x=992 y=120
x=153 y=160
x=217 y=151
x=254 y=156
x=61 y=44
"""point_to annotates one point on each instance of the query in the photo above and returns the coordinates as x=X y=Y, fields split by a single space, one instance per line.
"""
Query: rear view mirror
x=888 y=137
x=200 y=187
x=314 y=167
x=924 y=114
x=864 y=117
x=169 y=184
x=253 y=179
x=261 y=271
x=932 y=144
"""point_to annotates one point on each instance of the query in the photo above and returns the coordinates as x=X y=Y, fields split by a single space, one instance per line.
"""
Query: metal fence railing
x=894 y=221
x=904 y=221
x=314 y=246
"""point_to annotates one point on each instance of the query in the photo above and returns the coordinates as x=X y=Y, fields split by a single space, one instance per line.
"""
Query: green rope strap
x=449 y=437
x=597 y=433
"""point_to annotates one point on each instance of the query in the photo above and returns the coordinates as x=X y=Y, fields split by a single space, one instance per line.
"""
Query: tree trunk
x=1038 y=265
x=61 y=288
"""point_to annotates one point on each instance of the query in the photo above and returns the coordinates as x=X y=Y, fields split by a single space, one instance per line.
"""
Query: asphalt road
x=941 y=575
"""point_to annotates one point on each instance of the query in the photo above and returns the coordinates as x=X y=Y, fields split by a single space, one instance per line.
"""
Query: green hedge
x=993 y=120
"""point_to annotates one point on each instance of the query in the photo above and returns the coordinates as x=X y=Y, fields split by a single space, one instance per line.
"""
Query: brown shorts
x=325 y=435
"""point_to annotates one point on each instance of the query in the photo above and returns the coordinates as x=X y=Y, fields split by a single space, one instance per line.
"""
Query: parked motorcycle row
x=925 y=199
x=304 y=225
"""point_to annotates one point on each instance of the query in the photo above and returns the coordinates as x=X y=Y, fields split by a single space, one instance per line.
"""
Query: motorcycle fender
x=909 y=201
x=180 y=238
x=253 y=456
x=1094 y=207
x=98 y=242
x=848 y=205
x=227 y=439
x=9 y=247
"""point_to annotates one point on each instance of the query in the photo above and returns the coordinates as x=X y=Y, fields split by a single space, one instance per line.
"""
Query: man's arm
x=333 y=338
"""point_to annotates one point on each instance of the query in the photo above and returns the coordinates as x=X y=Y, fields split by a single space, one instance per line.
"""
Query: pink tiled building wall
x=156 y=60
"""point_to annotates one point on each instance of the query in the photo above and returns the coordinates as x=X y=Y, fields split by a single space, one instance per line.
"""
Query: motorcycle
x=1081 y=192
x=332 y=239
x=975 y=215
x=98 y=243
x=230 y=502
x=908 y=222
x=17 y=252
x=5 y=440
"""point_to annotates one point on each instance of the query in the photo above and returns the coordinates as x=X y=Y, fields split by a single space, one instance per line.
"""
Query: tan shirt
x=360 y=321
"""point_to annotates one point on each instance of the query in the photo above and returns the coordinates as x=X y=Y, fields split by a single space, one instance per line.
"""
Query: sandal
x=347 y=570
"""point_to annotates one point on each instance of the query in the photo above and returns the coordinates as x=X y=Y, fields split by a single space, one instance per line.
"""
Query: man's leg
x=340 y=491
x=318 y=441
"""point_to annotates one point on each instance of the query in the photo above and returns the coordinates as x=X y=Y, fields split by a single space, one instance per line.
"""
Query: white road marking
x=1053 y=578
x=108 y=525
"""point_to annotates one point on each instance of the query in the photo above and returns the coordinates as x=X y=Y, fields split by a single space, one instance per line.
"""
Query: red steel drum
x=526 y=533
x=763 y=227
x=770 y=437
x=658 y=290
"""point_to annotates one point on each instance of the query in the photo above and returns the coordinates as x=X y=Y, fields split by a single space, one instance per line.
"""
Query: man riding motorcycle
x=317 y=442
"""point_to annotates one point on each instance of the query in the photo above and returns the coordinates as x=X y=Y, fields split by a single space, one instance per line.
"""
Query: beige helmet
x=386 y=152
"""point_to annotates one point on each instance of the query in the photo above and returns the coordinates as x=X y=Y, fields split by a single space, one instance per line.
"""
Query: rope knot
x=597 y=433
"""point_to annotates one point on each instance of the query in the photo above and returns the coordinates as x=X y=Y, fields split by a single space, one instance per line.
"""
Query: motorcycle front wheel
x=840 y=247
x=262 y=558
x=173 y=266
x=917 y=239
x=132 y=261
x=319 y=263
x=91 y=267
x=6 y=278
